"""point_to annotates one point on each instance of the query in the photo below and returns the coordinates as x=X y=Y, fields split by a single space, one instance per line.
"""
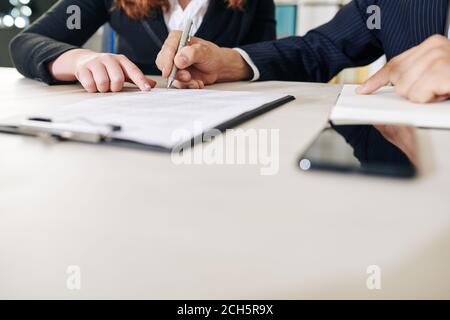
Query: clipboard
x=102 y=133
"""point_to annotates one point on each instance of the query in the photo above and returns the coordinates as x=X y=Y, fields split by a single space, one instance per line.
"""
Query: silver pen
x=181 y=45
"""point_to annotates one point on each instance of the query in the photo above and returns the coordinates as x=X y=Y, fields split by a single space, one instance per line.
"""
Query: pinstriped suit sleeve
x=323 y=52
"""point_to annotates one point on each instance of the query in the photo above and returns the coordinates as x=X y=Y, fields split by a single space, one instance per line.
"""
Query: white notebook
x=162 y=118
x=385 y=106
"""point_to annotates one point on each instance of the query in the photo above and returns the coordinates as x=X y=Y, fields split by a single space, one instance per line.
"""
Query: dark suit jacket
x=346 y=41
x=140 y=41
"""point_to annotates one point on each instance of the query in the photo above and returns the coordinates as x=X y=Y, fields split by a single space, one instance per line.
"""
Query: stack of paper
x=164 y=117
x=385 y=106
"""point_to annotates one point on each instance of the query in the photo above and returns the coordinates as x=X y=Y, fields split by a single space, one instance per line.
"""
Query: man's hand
x=200 y=63
x=402 y=137
x=421 y=74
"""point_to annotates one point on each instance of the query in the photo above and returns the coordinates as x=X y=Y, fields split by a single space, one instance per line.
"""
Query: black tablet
x=382 y=150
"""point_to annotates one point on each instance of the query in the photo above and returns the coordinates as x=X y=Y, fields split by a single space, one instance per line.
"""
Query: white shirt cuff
x=249 y=61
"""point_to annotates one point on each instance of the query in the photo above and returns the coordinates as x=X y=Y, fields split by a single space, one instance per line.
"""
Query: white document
x=385 y=106
x=162 y=117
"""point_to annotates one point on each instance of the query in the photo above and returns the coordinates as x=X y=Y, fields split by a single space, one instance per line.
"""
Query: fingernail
x=147 y=86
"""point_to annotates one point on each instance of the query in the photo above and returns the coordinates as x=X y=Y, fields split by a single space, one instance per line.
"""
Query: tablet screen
x=385 y=150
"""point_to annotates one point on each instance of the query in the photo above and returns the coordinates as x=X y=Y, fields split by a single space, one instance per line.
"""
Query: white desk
x=141 y=227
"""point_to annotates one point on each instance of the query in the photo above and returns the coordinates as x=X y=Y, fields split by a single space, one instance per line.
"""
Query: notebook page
x=385 y=106
x=157 y=117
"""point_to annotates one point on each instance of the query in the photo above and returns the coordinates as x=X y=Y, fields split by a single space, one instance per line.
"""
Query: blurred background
x=294 y=17
x=15 y=15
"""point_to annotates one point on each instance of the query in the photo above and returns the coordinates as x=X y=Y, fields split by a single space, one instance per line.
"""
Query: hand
x=421 y=74
x=200 y=63
x=100 y=72
x=403 y=137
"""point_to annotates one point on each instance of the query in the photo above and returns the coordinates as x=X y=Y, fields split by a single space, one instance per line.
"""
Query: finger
x=196 y=84
x=86 y=79
x=101 y=77
x=385 y=75
x=443 y=98
x=164 y=60
x=430 y=88
x=180 y=85
x=409 y=58
x=187 y=76
x=135 y=75
x=403 y=62
x=414 y=70
x=194 y=54
x=205 y=78
x=115 y=73
x=423 y=92
x=193 y=84
x=378 y=80
x=183 y=76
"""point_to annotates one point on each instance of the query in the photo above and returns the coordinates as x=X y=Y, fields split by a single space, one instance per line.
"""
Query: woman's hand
x=98 y=72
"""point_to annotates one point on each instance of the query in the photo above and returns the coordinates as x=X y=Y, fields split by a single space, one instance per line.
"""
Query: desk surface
x=140 y=226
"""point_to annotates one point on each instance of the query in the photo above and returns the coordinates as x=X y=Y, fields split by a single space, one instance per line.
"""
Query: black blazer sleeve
x=49 y=37
x=263 y=27
x=323 y=52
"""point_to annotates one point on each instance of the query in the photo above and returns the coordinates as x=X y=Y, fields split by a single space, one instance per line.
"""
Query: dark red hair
x=138 y=9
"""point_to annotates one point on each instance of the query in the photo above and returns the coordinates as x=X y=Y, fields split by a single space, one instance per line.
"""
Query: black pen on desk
x=183 y=40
